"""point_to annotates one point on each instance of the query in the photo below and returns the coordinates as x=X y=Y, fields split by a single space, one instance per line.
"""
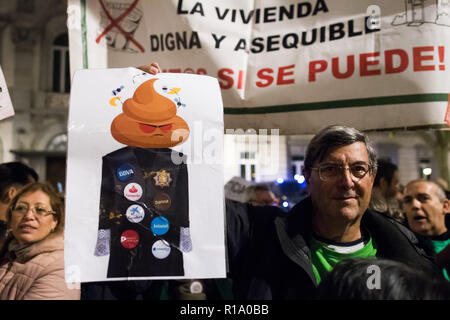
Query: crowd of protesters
x=355 y=236
x=351 y=222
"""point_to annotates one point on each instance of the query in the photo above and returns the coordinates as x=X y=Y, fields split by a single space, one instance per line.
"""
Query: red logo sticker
x=129 y=239
x=133 y=191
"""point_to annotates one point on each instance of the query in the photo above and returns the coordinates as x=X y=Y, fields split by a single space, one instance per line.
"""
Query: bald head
x=437 y=189
x=425 y=206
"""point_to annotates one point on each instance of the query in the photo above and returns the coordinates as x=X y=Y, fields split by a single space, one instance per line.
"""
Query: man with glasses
x=287 y=257
x=427 y=209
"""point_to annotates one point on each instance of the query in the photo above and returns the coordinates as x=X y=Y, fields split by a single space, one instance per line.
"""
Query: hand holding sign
x=153 y=68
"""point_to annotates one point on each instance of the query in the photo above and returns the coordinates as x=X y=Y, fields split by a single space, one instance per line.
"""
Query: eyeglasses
x=329 y=172
x=22 y=208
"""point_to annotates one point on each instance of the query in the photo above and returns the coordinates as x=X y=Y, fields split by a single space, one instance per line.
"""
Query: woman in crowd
x=32 y=257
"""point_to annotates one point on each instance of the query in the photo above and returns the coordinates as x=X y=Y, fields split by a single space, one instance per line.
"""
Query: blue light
x=280 y=180
x=285 y=204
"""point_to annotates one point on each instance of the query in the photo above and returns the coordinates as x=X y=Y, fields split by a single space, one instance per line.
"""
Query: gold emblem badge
x=162 y=178
x=113 y=215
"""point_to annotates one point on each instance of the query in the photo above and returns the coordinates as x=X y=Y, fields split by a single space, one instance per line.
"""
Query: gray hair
x=333 y=137
x=438 y=190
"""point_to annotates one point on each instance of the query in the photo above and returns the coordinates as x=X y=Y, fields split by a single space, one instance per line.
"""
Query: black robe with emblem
x=159 y=177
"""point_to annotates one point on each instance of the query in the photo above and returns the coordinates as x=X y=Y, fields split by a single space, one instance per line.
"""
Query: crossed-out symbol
x=115 y=23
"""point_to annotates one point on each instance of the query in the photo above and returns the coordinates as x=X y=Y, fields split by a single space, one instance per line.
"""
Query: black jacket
x=269 y=254
x=160 y=181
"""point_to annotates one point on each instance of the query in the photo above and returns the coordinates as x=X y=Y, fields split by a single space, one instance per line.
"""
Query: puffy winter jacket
x=35 y=273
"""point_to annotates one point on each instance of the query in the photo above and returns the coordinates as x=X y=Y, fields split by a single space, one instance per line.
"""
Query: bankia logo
x=160 y=226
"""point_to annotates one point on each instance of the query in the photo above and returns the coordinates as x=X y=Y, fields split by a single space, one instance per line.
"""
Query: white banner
x=293 y=65
x=144 y=177
x=6 y=107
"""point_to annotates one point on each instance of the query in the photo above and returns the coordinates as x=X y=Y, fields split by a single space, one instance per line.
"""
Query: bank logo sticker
x=125 y=172
x=161 y=201
x=160 y=249
x=160 y=226
x=133 y=191
x=135 y=213
x=162 y=178
x=129 y=239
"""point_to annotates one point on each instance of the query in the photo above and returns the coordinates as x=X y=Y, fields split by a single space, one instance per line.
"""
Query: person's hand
x=153 y=68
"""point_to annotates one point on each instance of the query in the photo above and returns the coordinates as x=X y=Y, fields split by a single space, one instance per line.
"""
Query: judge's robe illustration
x=144 y=197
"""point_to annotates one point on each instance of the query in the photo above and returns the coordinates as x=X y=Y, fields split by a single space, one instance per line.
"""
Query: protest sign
x=6 y=107
x=293 y=65
x=144 y=177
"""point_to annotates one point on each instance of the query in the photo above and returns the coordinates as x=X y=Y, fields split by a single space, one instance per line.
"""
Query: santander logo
x=133 y=191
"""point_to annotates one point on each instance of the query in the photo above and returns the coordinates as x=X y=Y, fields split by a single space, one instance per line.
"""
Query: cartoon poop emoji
x=149 y=120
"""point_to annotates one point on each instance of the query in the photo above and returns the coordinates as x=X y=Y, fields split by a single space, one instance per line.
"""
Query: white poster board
x=97 y=99
x=6 y=107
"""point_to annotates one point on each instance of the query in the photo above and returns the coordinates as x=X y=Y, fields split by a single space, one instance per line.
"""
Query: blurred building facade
x=34 y=56
x=35 y=61
x=248 y=160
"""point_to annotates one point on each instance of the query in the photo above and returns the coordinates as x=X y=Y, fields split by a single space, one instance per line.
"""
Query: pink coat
x=37 y=274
